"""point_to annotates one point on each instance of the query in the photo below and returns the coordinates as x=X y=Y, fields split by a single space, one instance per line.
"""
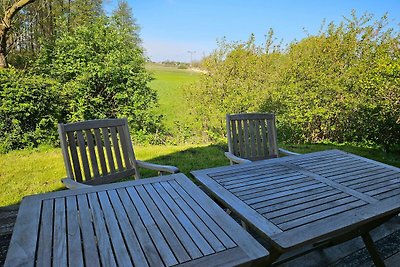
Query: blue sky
x=171 y=28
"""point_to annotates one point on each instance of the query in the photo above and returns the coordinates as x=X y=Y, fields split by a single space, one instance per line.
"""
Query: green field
x=29 y=172
x=170 y=83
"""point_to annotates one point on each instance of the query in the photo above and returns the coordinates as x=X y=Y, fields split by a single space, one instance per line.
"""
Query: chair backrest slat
x=98 y=151
x=74 y=155
x=107 y=146
x=115 y=144
x=252 y=136
x=92 y=153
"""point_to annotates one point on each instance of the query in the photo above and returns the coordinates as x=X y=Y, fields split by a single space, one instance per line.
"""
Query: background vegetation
x=342 y=85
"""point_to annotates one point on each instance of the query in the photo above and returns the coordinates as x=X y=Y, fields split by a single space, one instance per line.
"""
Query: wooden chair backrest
x=97 y=151
x=252 y=135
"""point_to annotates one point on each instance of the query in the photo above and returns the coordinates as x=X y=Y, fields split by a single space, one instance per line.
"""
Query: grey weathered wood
x=336 y=194
x=75 y=253
x=44 y=250
x=103 y=144
x=251 y=136
x=148 y=222
x=59 y=254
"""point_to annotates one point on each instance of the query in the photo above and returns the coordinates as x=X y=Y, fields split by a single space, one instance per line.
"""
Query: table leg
x=369 y=243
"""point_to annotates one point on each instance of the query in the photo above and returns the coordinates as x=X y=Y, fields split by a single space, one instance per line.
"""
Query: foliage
x=29 y=111
x=341 y=85
x=103 y=76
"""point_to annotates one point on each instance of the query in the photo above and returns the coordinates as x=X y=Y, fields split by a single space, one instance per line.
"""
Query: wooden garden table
x=162 y=221
x=308 y=199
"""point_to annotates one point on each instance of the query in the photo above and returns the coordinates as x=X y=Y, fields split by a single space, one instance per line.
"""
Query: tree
x=125 y=22
x=6 y=25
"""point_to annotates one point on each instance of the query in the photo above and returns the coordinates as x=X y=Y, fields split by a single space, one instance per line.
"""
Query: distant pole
x=191 y=57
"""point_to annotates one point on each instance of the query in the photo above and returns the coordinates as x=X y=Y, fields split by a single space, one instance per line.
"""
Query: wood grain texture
x=294 y=201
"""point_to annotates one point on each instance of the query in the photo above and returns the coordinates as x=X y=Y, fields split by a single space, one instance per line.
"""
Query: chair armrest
x=287 y=152
x=72 y=184
x=235 y=159
x=157 y=167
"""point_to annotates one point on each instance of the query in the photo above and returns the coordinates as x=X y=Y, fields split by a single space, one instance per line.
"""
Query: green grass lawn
x=36 y=171
x=169 y=83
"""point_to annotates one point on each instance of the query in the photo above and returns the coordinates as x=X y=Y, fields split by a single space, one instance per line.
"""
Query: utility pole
x=191 y=57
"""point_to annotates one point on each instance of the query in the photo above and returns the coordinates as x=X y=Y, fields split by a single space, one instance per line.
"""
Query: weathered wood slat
x=241 y=138
x=214 y=227
x=293 y=197
x=255 y=185
x=185 y=221
x=90 y=124
x=319 y=205
x=358 y=175
x=293 y=189
x=257 y=133
x=103 y=240
x=274 y=175
x=381 y=178
x=162 y=244
x=92 y=153
x=44 y=250
x=151 y=250
x=169 y=214
x=297 y=203
x=100 y=151
x=59 y=234
x=74 y=248
x=83 y=154
x=171 y=237
x=132 y=243
x=232 y=176
x=22 y=248
x=200 y=224
x=124 y=147
x=231 y=228
x=114 y=232
x=107 y=146
x=74 y=156
x=89 y=242
x=116 y=147
x=318 y=216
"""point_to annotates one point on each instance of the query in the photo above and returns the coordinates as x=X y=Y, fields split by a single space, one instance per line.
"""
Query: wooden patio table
x=316 y=198
x=163 y=221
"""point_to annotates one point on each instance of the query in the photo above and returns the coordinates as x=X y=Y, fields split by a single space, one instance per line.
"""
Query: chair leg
x=369 y=244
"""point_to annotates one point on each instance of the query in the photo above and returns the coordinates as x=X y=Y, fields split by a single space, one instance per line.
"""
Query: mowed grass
x=28 y=172
x=170 y=82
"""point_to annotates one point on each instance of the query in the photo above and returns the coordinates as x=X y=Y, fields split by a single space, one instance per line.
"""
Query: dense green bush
x=341 y=85
x=103 y=76
x=29 y=110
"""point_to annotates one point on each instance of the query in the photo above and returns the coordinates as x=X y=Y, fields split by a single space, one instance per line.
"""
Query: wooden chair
x=252 y=136
x=100 y=151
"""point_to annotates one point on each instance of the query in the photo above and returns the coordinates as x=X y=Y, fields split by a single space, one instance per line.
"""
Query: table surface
x=161 y=221
x=299 y=200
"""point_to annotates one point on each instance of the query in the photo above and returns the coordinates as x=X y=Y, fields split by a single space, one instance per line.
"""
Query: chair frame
x=252 y=136
x=113 y=160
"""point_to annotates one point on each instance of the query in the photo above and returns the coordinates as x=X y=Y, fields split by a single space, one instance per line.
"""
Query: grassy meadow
x=39 y=170
x=170 y=83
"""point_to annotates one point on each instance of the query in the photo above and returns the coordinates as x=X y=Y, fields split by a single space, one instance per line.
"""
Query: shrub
x=29 y=111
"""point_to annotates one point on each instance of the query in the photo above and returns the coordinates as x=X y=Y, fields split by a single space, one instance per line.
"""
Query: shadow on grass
x=192 y=159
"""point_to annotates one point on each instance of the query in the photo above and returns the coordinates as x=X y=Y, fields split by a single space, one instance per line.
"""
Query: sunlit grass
x=37 y=171
x=170 y=83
